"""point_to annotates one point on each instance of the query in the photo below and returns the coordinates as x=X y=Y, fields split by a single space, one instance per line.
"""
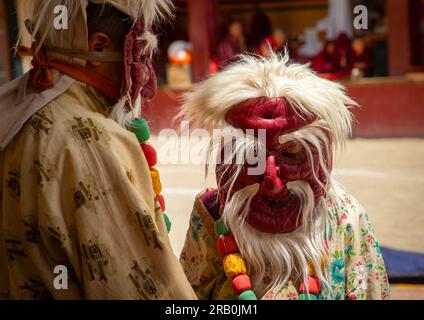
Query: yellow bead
x=234 y=265
x=311 y=268
x=157 y=185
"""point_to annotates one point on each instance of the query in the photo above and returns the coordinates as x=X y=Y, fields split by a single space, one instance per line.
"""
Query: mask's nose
x=272 y=186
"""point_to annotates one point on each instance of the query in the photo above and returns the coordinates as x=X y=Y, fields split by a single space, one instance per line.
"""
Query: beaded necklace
x=234 y=265
x=140 y=128
x=236 y=271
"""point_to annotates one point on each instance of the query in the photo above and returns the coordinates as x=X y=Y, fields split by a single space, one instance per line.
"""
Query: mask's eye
x=293 y=152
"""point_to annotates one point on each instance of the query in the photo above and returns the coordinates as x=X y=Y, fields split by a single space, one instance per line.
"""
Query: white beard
x=283 y=257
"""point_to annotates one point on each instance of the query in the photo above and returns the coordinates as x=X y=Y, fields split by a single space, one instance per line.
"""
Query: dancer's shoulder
x=345 y=210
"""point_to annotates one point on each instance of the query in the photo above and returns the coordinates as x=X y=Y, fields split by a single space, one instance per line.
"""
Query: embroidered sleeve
x=200 y=259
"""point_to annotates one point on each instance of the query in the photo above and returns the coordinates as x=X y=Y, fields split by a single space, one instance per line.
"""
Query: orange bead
x=241 y=283
x=234 y=265
x=157 y=185
x=313 y=284
x=226 y=245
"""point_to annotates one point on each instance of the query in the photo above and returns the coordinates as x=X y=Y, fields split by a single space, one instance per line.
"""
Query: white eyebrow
x=284 y=138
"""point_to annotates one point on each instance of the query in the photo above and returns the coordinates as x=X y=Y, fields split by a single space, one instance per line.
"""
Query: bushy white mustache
x=283 y=257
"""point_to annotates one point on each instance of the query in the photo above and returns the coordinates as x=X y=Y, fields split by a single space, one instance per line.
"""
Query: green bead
x=221 y=228
x=248 y=295
x=320 y=297
x=305 y=296
x=167 y=222
x=140 y=128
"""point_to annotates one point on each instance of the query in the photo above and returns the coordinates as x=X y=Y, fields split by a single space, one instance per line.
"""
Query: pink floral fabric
x=356 y=266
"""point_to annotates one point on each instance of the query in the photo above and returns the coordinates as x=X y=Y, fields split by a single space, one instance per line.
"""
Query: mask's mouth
x=278 y=204
x=274 y=216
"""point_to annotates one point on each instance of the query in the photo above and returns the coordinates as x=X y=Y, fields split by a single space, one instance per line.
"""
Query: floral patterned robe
x=357 y=270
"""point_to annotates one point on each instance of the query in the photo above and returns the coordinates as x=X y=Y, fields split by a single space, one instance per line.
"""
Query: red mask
x=274 y=209
x=139 y=75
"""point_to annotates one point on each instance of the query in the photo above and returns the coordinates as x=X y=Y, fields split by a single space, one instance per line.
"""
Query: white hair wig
x=272 y=77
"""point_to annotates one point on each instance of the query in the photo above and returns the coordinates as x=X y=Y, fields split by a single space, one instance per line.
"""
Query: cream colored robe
x=76 y=191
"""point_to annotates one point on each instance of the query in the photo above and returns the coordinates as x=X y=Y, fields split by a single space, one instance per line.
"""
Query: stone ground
x=385 y=175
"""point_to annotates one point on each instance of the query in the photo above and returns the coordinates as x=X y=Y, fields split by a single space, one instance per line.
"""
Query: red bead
x=226 y=245
x=161 y=201
x=150 y=154
x=313 y=284
x=241 y=284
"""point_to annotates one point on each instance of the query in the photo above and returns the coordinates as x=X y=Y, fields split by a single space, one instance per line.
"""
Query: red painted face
x=274 y=209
